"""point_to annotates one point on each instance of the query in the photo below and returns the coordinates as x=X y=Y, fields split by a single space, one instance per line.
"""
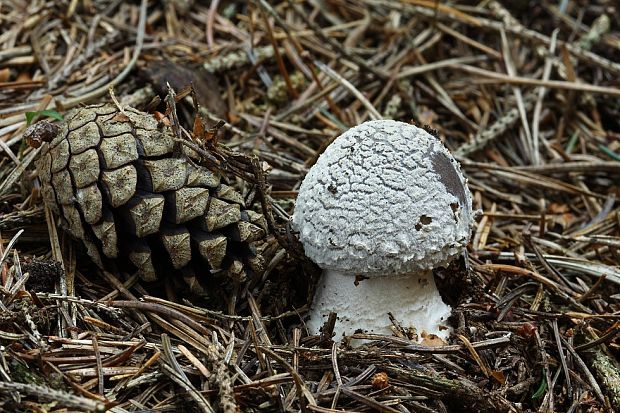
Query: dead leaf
x=432 y=340
x=499 y=376
x=120 y=117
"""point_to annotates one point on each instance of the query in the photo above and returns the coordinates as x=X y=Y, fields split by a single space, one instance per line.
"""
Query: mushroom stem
x=363 y=303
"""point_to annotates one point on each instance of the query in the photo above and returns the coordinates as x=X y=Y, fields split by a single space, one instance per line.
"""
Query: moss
x=609 y=376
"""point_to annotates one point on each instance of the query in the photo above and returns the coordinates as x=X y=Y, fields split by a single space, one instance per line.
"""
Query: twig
x=349 y=86
x=551 y=84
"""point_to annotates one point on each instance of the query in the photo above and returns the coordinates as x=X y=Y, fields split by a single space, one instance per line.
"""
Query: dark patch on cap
x=449 y=176
x=424 y=220
x=431 y=131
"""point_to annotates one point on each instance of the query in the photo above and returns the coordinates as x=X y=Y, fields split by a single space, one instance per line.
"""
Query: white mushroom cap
x=384 y=198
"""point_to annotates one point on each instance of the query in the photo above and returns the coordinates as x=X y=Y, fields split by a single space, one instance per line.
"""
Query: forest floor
x=526 y=95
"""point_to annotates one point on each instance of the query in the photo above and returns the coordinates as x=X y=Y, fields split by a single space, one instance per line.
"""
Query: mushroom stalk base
x=364 y=305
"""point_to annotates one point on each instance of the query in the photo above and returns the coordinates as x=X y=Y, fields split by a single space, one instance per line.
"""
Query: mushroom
x=384 y=205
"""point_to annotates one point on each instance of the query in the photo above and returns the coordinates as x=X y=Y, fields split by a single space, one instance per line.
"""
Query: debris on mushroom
x=383 y=205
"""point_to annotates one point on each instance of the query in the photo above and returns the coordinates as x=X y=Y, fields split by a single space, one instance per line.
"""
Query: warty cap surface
x=384 y=198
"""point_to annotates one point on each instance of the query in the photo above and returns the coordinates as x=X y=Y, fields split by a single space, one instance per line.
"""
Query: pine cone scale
x=119 y=185
x=118 y=151
x=60 y=156
x=86 y=137
x=85 y=167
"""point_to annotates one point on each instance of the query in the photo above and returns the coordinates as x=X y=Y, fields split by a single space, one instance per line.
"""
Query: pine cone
x=119 y=184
